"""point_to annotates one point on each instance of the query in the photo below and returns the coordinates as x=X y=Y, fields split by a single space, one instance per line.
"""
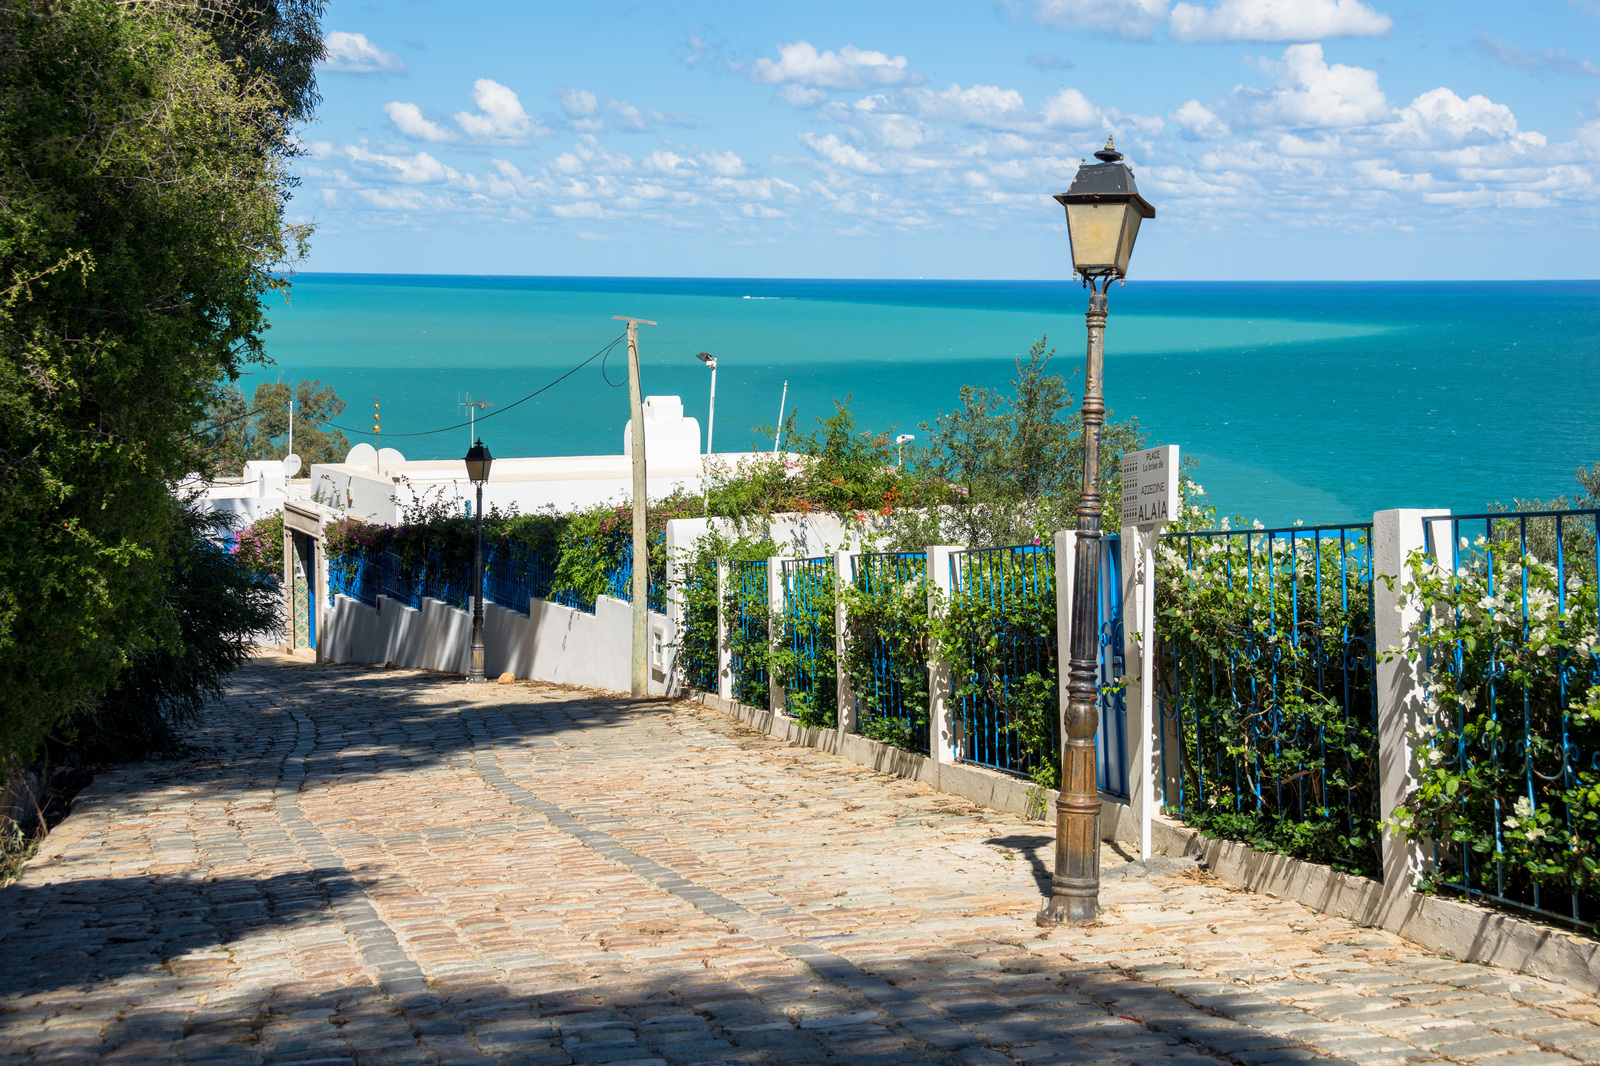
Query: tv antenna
x=473 y=408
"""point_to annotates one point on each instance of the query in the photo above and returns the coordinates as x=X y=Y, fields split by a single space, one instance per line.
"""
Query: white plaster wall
x=554 y=643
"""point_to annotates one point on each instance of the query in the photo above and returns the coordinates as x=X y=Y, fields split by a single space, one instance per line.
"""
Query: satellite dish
x=291 y=465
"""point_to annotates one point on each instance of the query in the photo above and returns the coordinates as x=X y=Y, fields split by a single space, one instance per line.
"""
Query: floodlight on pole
x=711 y=420
x=900 y=442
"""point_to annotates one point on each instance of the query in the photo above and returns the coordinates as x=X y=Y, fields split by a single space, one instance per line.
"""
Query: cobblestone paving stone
x=388 y=867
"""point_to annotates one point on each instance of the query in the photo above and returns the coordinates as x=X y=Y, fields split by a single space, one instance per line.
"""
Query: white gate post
x=1138 y=651
x=848 y=722
x=724 y=634
x=944 y=725
x=1400 y=710
x=1066 y=544
x=776 y=598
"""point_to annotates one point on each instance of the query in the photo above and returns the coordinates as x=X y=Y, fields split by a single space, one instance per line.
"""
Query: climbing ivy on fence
x=1508 y=757
x=804 y=659
x=886 y=659
x=1265 y=667
x=1003 y=657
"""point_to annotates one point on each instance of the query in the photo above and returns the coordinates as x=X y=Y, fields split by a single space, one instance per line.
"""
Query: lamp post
x=711 y=420
x=478 y=462
x=1104 y=210
x=899 y=443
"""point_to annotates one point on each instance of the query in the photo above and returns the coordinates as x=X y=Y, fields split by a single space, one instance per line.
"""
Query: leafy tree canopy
x=143 y=181
x=239 y=430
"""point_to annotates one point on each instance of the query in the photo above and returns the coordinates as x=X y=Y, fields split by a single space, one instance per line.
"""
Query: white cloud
x=1134 y=19
x=1200 y=121
x=664 y=162
x=419 y=169
x=986 y=106
x=577 y=103
x=1313 y=93
x=1277 y=20
x=352 y=53
x=499 y=119
x=724 y=164
x=838 y=153
x=500 y=116
x=1440 y=118
x=409 y=120
x=1069 y=109
x=629 y=118
x=850 y=67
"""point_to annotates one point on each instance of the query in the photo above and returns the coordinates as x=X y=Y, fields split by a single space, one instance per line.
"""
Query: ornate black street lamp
x=478 y=462
x=1104 y=210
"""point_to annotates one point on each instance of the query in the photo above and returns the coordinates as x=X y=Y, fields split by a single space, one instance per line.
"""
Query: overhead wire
x=601 y=354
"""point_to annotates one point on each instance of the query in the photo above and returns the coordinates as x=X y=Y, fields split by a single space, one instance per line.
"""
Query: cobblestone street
x=371 y=866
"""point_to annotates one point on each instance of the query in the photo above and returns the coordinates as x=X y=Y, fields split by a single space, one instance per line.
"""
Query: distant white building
x=261 y=492
x=379 y=486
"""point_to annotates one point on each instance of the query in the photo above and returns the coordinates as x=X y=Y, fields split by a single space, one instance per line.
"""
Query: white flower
x=1574 y=583
x=1487 y=603
x=1435 y=756
x=1463 y=542
x=1523 y=807
x=1535 y=833
x=1257 y=524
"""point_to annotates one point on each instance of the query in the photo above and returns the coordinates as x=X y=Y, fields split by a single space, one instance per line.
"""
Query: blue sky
x=1306 y=139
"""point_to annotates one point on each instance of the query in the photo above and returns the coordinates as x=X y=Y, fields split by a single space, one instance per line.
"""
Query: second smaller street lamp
x=1104 y=210
x=478 y=462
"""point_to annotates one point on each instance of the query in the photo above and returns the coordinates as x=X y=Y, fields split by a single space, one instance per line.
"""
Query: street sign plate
x=1150 y=486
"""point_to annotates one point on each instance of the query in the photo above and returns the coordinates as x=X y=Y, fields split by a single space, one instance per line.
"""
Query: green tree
x=1015 y=462
x=237 y=430
x=143 y=181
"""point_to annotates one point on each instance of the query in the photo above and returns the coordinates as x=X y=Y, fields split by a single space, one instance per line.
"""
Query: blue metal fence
x=1111 y=742
x=808 y=630
x=619 y=582
x=752 y=629
x=897 y=690
x=1008 y=693
x=514 y=573
x=698 y=649
x=1268 y=728
x=1514 y=668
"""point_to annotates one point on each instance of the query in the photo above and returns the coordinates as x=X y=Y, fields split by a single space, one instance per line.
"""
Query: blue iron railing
x=751 y=622
x=699 y=641
x=808 y=631
x=1513 y=669
x=1268 y=730
x=1111 y=741
x=514 y=573
x=895 y=692
x=619 y=582
x=1008 y=689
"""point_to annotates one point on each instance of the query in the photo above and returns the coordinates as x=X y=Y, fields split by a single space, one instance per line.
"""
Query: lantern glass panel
x=1130 y=231
x=1096 y=230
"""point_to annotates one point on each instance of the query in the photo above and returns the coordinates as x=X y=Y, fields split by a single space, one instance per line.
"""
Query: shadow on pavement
x=1036 y=848
x=82 y=933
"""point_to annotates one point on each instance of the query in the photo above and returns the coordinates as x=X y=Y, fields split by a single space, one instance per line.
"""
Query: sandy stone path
x=374 y=866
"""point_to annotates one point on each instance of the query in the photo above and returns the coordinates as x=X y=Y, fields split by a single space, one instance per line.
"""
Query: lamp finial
x=1109 y=153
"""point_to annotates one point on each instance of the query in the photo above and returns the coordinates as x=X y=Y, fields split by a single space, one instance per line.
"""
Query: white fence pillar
x=724 y=634
x=1400 y=710
x=775 y=607
x=1145 y=778
x=944 y=724
x=1066 y=544
x=848 y=722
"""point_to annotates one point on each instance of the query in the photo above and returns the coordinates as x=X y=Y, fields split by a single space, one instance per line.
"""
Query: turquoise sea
x=1314 y=401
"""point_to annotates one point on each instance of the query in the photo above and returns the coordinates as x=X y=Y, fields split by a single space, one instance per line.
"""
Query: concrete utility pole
x=641 y=503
